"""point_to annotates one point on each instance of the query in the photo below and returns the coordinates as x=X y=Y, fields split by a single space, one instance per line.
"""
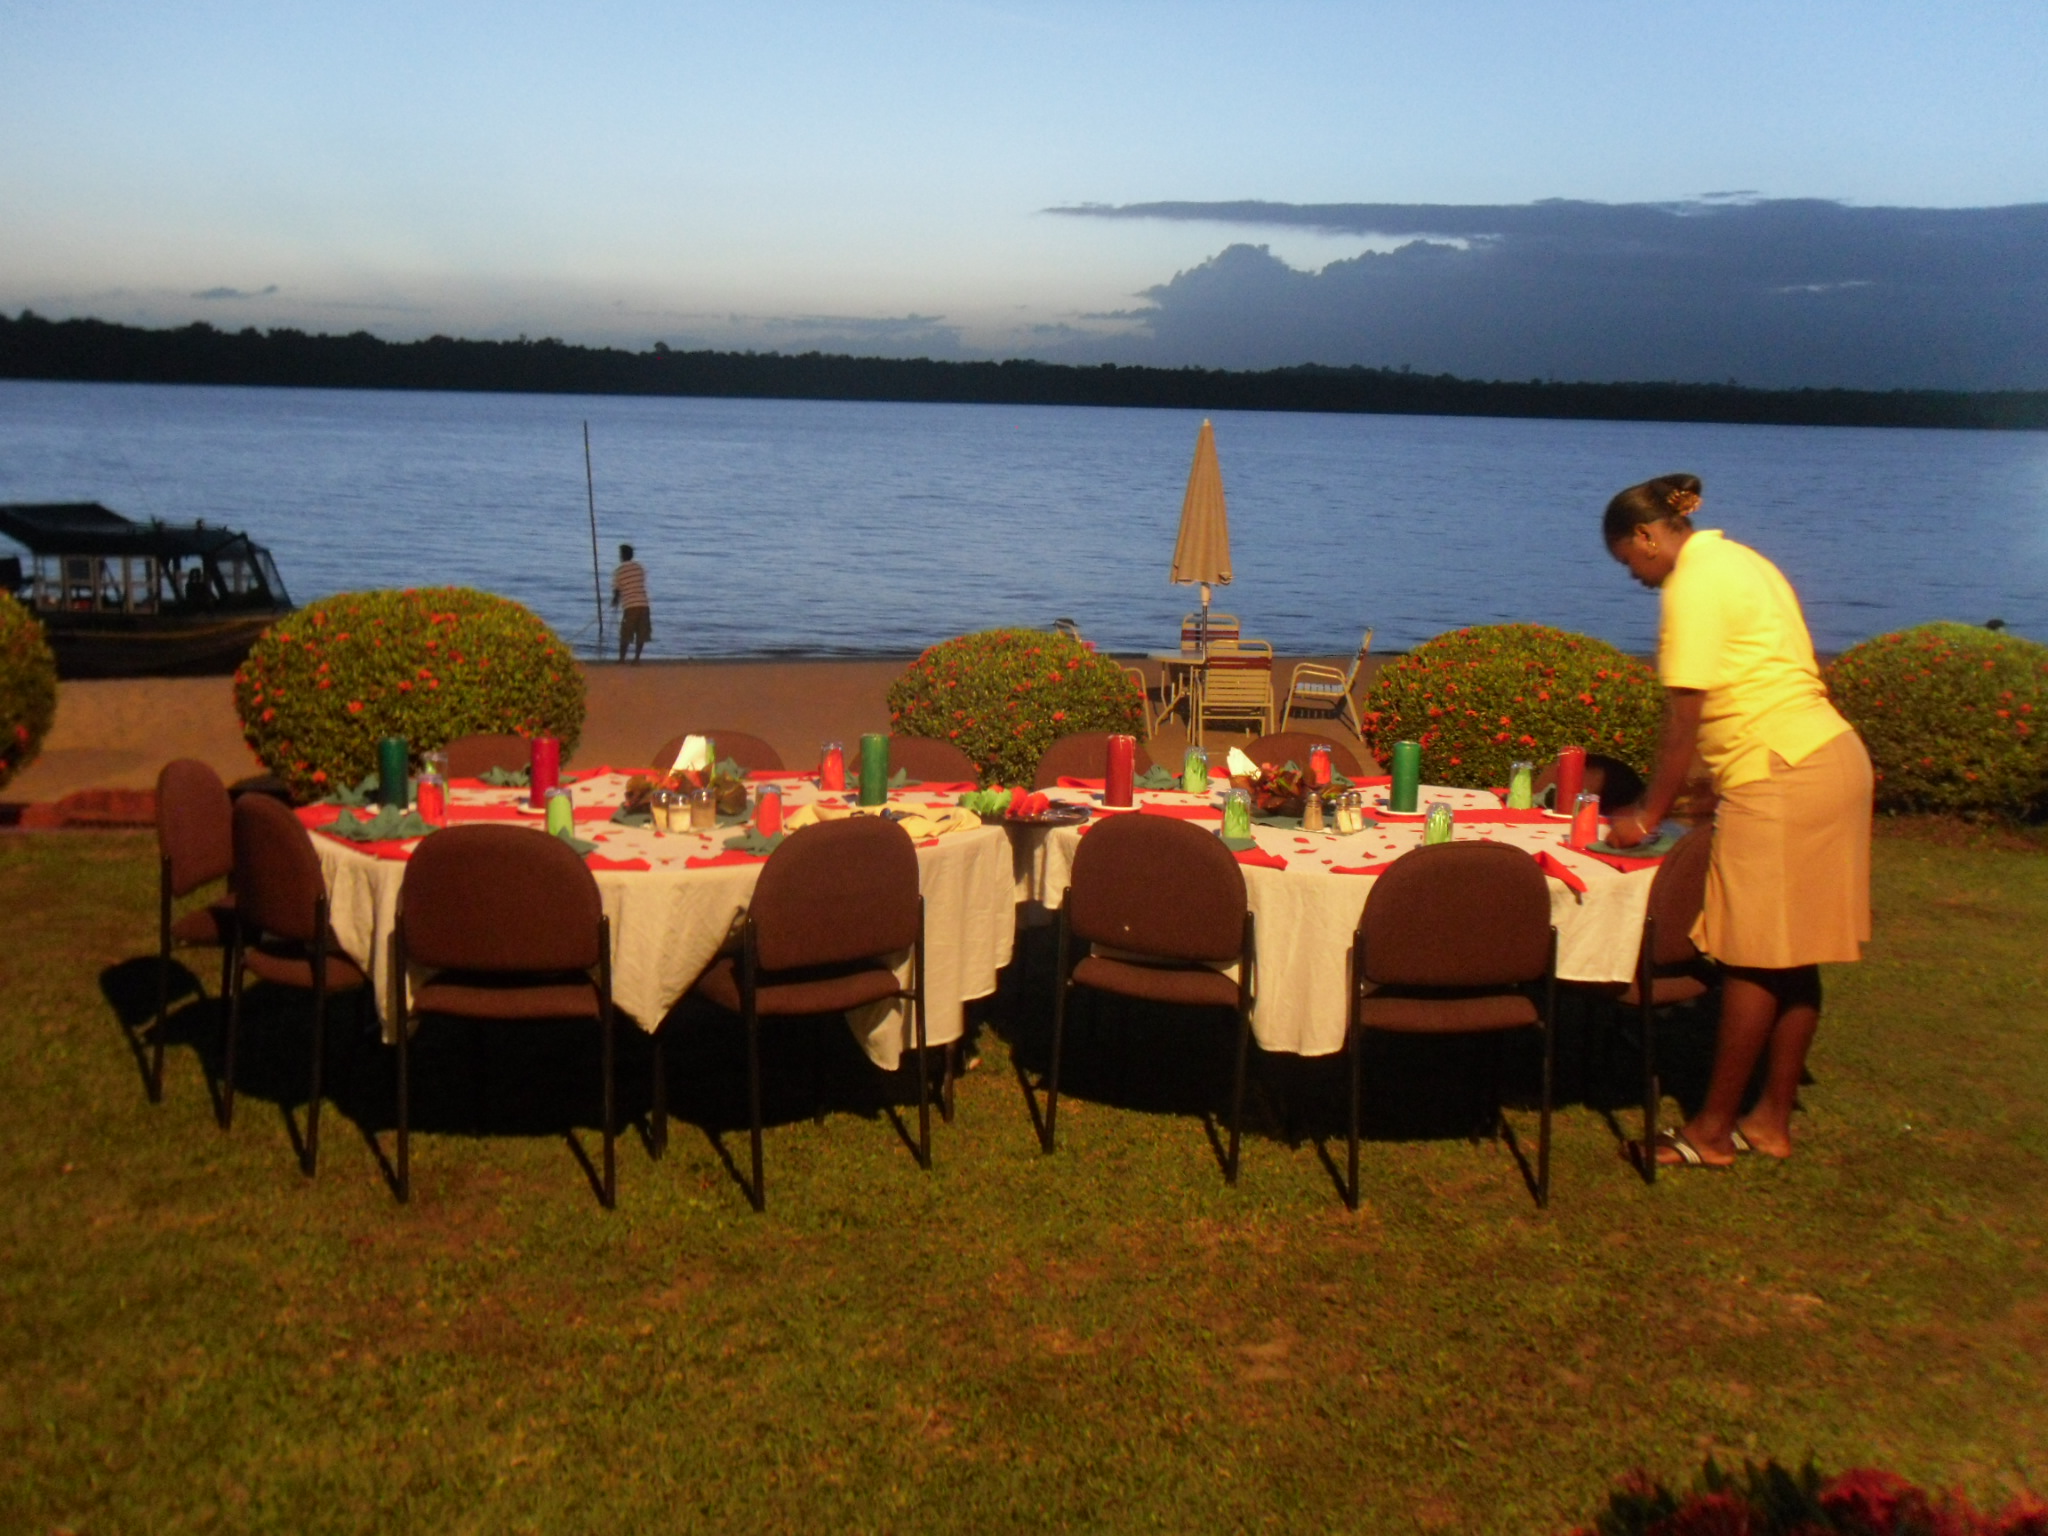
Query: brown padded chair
x=472 y=756
x=281 y=933
x=836 y=902
x=508 y=923
x=1083 y=755
x=1451 y=939
x=1171 y=900
x=195 y=842
x=928 y=758
x=750 y=752
x=1669 y=968
x=1292 y=747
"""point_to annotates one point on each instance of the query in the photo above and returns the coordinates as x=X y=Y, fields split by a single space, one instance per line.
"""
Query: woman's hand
x=1630 y=827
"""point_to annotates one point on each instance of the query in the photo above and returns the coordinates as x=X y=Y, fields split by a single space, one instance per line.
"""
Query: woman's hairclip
x=1682 y=503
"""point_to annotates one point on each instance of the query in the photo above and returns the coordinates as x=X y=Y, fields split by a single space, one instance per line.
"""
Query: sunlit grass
x=192 y=1336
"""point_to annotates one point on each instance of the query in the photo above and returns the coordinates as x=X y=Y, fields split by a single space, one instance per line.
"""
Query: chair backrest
x=1223 y=630
x=1083 y=755
x=277 y=874
x=1157 y=886
x=750 y=752
x=1283 y=747
x=1458 y=915
x=1677 y=893
x=470 y=756
x=926 y=757
x=195 y=824
x=495 y=898
x=836 y=891
x=1358 y=661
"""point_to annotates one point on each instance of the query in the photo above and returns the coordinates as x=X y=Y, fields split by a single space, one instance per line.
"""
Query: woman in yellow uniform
x=1788 y=888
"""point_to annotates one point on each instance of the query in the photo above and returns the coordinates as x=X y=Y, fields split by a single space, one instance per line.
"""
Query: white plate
x=1381 y=812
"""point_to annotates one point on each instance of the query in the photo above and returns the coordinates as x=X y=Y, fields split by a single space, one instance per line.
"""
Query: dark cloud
x=1769 y=292
x=235 y=293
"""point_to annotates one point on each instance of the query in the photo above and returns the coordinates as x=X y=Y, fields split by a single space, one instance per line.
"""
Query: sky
x=1779 y=193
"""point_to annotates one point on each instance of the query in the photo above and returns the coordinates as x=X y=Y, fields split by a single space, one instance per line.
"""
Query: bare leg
x=1774 y=1010
x=1768 y=1126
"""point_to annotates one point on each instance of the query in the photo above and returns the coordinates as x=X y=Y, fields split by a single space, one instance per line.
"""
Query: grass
x=193 y=1337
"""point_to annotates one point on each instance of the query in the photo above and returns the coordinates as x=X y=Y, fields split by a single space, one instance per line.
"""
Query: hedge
x=1955 y=717
x=1483 y=698
x=28 y=688
x=1004 y=695
x=323 y=686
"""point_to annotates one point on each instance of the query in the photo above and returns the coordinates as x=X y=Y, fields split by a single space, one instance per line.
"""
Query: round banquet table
x=673 y=898
x=1307 y=890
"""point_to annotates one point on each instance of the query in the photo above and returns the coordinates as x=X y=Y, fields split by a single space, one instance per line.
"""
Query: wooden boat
x=119 y=598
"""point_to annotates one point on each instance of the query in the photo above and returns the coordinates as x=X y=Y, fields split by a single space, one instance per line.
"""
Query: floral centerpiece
x=694 y=768
x=1275 y=789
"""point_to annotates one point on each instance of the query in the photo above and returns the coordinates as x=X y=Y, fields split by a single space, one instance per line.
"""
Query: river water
x=846 y=528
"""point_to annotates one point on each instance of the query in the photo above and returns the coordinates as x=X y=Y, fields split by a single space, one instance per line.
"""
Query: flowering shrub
x=1956 y=717
x=28 y=687
x=323 y=686
x=1771 y=1501
x=1480 y=699
x=1004 y=695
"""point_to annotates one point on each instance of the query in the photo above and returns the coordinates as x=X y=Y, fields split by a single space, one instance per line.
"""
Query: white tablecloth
x=1305 y=915
x=668 y=921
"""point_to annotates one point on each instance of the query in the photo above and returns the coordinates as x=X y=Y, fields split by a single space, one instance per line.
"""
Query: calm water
x=774 y=527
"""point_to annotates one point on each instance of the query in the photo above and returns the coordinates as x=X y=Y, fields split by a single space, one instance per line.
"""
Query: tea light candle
x=768 y=811
x=1585 y=822
x=832 y=767
x=391 y=771
x=1521 y=776
x=1120 y=770
x=703 y=810
x=874 y=769
x=1571 y=777
x=543 y=770
x=433 y=799
x=561 y=812
x=1407 y=776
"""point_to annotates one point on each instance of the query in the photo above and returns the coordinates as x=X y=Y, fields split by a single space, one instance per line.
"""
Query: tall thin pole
x=596 y=581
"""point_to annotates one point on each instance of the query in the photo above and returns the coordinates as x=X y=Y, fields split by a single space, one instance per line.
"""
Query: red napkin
x=1358 y=869
x=1068 y=781
x=1185 y=812
x=599 y=861
x=720 y=860
x=1552 y=865
x=1621 y=861
x=1261 y=858
x=487 y=813
x=316 y=816
x=1383 y=778
x=1508 y=817
x=384 y=850
x=777 y=775
x=948 y=787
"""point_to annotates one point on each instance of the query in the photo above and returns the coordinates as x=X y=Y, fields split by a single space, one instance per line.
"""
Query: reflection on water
x=772 y=527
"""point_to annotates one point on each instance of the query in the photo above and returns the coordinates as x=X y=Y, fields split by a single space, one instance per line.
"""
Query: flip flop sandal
x=1688 y=1154
x=1740 y=1141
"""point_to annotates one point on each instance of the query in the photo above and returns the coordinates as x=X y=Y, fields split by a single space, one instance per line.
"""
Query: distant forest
x=32 y=347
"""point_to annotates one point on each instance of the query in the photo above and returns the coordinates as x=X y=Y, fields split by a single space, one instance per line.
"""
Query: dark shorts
x=637 y=625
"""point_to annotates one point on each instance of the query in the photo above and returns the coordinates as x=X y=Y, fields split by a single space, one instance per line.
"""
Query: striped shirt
x=629 y=584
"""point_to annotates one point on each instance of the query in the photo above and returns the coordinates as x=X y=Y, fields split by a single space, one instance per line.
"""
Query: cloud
x=911 y=335
x=236 y=293
x=1773 y=292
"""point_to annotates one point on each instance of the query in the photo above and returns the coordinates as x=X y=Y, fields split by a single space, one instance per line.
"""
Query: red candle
x=1585 y=822
x=768 y=811
x=1571 y=778
x=1319 y=765
x=543 y=770
x=432 y=795
x=1123 y=763
x=832 y=767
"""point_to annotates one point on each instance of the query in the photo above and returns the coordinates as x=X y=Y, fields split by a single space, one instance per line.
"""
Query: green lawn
x=192 y=1336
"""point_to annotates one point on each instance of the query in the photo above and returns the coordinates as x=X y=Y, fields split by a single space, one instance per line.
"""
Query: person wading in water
x=629 y=592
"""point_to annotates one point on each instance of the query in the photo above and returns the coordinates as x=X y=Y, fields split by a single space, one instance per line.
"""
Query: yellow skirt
x=1789 y=882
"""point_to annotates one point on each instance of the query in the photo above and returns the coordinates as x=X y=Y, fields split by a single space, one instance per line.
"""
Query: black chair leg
x=948 y=1067
x=227 y=1065
x=1061 y=986
x=1244 y=1033
x=402 y=1030
x=1549 y=1077
x=1354 y=1048
x=924 y=1097
x=611 y=1179
x=309 y=1164
x=757 y=1192
x=1653 y=1090
x=658 y=1110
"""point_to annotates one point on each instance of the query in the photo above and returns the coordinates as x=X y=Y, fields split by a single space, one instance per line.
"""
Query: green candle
x=391 y=785
x=874 y=769
x=1521 y=776
x=1407 y=776
x=1237 y=814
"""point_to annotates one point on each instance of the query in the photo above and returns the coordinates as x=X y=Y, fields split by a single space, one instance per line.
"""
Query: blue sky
x=876 y=177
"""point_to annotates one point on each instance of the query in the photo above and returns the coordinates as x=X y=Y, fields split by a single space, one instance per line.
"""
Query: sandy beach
x=113 y=735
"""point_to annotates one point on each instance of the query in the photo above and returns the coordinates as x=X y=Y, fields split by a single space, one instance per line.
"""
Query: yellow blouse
x=1732 y=629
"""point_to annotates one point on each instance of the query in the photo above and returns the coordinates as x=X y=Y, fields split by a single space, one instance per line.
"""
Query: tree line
x=98 y=351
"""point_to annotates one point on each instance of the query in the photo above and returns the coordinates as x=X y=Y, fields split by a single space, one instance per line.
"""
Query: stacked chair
x=195 y=840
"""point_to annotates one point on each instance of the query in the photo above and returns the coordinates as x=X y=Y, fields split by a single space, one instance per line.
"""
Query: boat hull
x=115 y=645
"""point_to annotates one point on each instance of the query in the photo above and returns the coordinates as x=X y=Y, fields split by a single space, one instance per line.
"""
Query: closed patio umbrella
x=1202 y=552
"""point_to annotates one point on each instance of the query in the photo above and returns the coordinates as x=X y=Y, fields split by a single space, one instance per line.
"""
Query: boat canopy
x=88 y=558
